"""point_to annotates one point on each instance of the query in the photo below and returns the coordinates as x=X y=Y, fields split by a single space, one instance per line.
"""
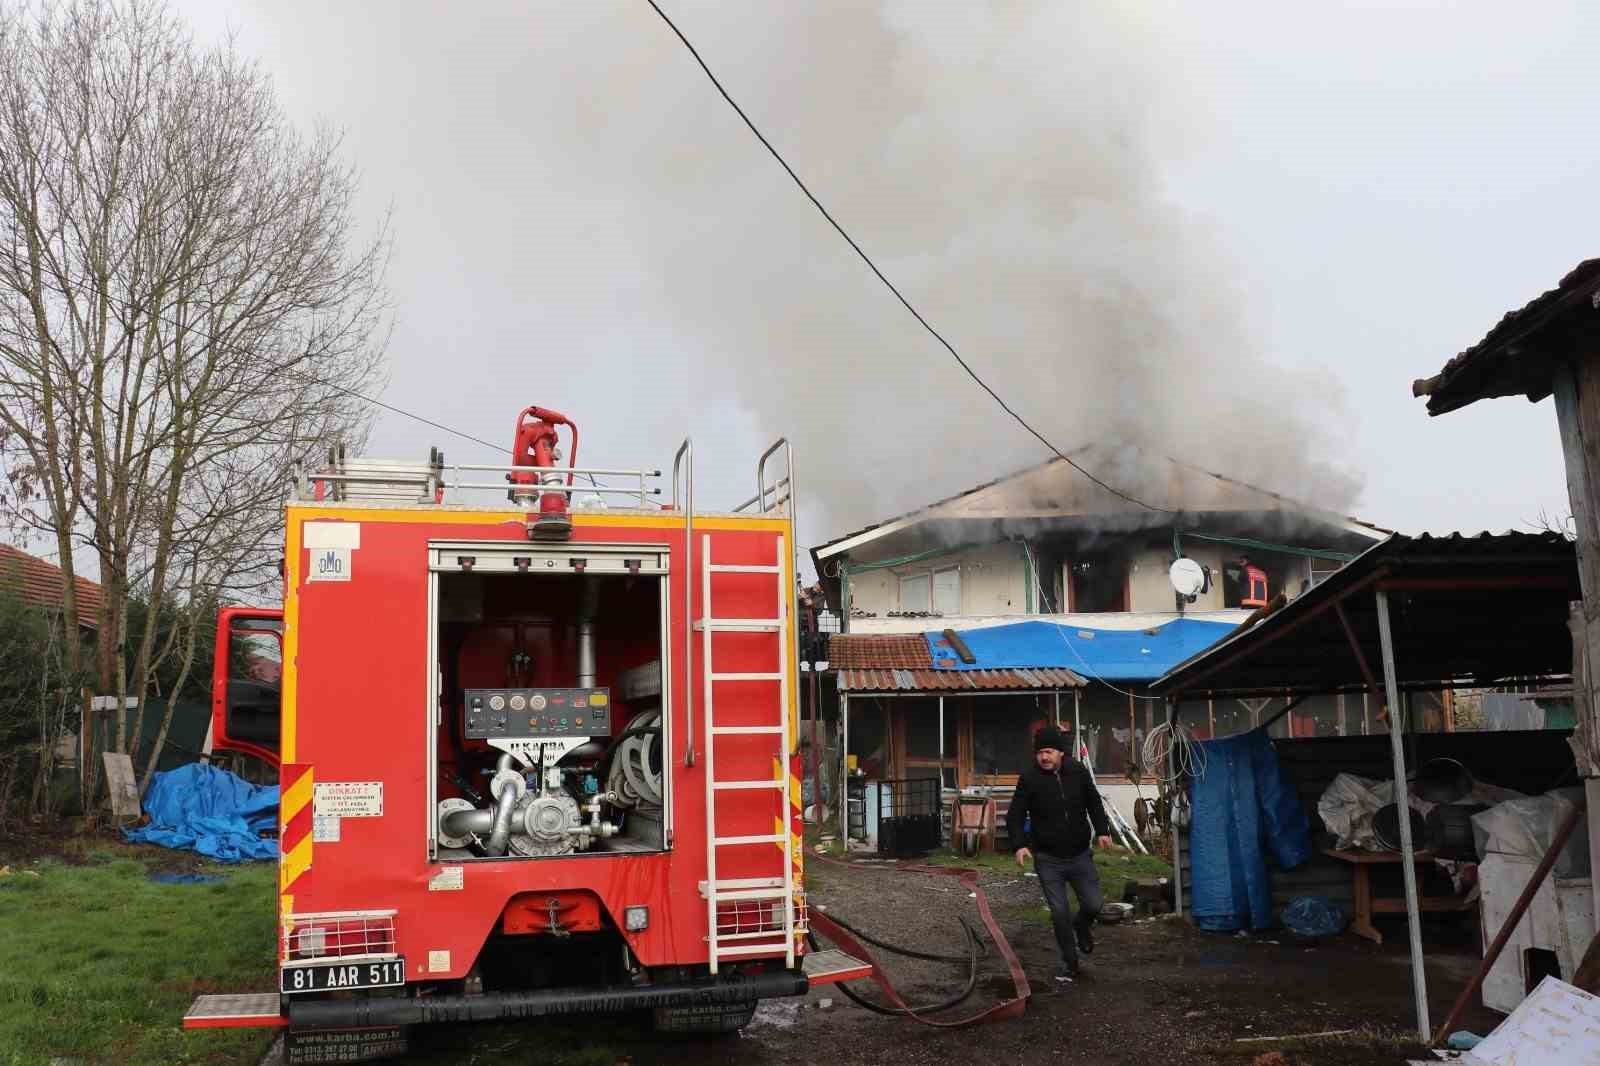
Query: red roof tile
x=927 y=680
x=40 y=583
x=879 y=651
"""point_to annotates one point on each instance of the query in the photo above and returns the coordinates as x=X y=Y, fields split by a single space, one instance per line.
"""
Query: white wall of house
x=990 y=580
x=1150 y=586
x=1119 y=621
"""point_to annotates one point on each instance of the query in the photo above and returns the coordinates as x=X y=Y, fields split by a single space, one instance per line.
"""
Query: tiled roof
x=1520 y=354
x=885 y=662
x=892 y=680
x=879 y=651
x=39 y=583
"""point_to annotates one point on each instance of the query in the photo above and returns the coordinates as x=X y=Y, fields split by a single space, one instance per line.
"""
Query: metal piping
x=416 y=1010
x=588 y=607
x=467 y=823
x=500 y=834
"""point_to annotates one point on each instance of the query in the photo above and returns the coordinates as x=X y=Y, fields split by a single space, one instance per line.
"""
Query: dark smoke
x=1005 y=167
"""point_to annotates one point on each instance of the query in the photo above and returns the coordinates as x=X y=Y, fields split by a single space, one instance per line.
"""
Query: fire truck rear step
x=832 y=966
x=236 y=1010
x=748 y=949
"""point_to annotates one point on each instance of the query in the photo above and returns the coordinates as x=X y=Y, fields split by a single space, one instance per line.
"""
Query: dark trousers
x=1055 y=874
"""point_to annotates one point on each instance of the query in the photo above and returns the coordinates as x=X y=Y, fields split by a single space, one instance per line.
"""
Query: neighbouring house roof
x=40 y=584
x=1463 y=610
x=1519 y=355
x=1101 y=654
x=1053 y=490
x=903 y=663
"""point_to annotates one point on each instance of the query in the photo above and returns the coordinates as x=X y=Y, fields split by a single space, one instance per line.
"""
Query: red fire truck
x=534 y=759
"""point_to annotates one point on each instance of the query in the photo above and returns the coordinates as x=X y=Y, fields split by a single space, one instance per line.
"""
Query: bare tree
x=187 y=306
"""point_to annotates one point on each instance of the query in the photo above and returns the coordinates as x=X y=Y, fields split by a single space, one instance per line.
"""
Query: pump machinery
x=536 y=757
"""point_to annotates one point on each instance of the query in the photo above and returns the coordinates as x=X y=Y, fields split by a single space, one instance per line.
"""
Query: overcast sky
x=1230 y=230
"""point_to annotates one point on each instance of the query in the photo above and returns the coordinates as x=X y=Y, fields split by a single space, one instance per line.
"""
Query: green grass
x=98 y=963
x=1116 y=868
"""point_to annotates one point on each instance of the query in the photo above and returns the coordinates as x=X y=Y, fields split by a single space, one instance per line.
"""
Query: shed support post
x=1077 y=725
x=1402 y=799
x=844 y=771
x=1576 y=389
x=1173 y=807
x=941 y=753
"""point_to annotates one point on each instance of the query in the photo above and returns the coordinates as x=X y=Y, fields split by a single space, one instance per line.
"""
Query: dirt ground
x=1154 y=991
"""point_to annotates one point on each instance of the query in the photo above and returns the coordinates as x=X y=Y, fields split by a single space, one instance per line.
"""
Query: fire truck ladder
x=765 y=941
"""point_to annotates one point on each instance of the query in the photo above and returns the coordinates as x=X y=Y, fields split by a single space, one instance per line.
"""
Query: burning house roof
x=1052 y=494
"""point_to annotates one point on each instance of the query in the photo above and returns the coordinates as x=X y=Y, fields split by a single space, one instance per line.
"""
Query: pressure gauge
x=518 y=702
x=497 y=702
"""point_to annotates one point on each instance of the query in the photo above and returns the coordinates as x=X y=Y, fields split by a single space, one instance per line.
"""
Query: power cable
x=889 y=284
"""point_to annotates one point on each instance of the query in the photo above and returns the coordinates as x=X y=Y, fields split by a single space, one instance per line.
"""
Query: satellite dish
x=1188 y=577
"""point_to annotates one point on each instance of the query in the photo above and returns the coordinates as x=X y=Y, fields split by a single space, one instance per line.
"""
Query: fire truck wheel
x=705 y=1019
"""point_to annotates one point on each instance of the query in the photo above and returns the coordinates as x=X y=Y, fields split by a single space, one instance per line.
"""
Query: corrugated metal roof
x=929 y=680
x=40 y=584
x=1463 y=609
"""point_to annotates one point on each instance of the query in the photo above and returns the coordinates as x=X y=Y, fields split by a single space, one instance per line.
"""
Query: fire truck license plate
x=332 y=976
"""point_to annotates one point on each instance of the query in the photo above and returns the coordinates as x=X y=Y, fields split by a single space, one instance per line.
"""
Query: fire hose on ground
x=975 y=949
x=854 y=942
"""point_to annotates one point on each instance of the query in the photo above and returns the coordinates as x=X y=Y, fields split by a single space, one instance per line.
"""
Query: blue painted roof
x=1106 y=654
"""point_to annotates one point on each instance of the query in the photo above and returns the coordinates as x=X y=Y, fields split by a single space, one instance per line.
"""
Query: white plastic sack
x=1349 y=803
x=1347 y=806
x=1523 y=828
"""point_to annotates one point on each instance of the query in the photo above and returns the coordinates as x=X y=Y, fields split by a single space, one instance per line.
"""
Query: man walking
x=1060 y=796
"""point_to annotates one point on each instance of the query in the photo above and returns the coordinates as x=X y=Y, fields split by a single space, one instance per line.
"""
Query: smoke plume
x=1004 y=165
x=582 y=222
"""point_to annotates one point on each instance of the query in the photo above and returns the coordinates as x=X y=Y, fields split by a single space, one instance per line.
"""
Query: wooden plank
x=1577 y=403
x=121 y=785
x=1588 y=974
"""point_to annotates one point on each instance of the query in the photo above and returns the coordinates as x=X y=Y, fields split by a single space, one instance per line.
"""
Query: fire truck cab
x=536 y=756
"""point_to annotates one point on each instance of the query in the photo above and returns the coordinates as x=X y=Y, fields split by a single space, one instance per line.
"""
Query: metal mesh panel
x=337 y=934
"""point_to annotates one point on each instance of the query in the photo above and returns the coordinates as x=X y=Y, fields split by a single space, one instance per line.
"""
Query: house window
x=1099 y=583
x=916 y=593
x=947 y=591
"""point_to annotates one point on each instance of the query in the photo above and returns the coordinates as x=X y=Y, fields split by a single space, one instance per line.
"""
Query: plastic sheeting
x=1314 y=918
x=1108 y=654
x=1244 y=807
x=1349 y=803
x=201 y=808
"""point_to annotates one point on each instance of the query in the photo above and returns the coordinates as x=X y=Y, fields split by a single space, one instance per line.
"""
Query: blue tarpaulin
x=201 y=808
x=1242 y=807
x=1108 y=654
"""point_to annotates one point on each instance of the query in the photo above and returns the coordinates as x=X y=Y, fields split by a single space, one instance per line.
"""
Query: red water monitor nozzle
x=537 y=446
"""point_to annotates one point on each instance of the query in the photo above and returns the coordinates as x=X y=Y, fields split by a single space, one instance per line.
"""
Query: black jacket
x=1062 y=805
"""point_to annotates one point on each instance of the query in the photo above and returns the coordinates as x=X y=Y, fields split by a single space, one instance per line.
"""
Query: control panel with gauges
x=537 y=712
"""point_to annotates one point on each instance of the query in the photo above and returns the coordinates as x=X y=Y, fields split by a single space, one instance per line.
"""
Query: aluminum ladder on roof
x=766 y=941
